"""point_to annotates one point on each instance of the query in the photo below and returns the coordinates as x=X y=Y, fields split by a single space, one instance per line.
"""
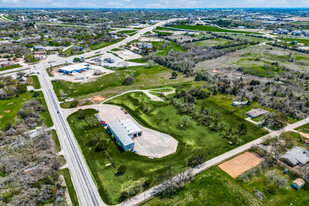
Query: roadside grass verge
x=56 y=140
x=160 y=116
x=34 y=80
x=103 y=44
x=210 y=29
x=67 y=177
x=10 y=67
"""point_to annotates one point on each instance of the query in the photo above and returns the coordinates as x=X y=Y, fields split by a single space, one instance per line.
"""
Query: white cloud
x=11 y=1
x=86 y=4
x=58 y=4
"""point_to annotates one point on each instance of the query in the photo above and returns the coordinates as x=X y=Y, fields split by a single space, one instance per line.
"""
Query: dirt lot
x=98 y=99
x=240 y=164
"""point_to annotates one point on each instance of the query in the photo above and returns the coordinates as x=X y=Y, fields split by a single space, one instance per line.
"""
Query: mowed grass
x=103 y=44
x=67 y=177
x=212 y=42
x=160 y=116
x=34 y=80
x=10 y=107
x=212 y=187
x=9 y=67
x=291 y=40
x=304 y=128
x=109 y=85
x=210 y=29
x=215 y=187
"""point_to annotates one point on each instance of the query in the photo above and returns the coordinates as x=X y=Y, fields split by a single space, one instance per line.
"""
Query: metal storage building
x=124 y=131
x=74 y=68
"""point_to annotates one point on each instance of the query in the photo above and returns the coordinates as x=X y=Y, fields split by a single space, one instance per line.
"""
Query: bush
x=128 y=81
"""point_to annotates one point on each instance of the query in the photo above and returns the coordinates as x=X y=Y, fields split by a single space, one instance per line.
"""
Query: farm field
x=160 y=116
x=111 y=84
x=215 y=187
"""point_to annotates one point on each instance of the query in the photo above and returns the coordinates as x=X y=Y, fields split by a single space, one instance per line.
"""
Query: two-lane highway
x=86 y=190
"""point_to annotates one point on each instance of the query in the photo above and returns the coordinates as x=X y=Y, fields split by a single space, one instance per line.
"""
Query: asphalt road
x=84 y=185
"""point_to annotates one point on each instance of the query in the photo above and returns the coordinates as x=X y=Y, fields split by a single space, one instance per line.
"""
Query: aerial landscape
x=154 y=103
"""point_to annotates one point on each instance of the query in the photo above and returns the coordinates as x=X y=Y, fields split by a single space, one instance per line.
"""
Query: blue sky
x=153 y=3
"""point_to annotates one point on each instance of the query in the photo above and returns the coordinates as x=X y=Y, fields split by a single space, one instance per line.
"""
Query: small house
x=296 y=156
x=298 y=183
x=253 y=113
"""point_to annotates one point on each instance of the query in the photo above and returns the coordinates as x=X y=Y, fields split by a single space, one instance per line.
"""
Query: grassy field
x=301 y=129
x=70 y=186
x=69 y=52
x=163 y=117
x=291 y=40
x=10 y=107
x=103 y=44
x=257 y=56
x=126 y=31
x=111 y=84
x=34 y=80
x=210 y=29
x=212 y=42
x=163 y=50
x=9 y=67
x=215 y=187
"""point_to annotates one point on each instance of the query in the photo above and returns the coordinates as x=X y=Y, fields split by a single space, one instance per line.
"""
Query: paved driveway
x=151 y=144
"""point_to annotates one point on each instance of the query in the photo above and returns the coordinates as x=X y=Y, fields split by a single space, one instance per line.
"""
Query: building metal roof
x=122 y=129
x=74 y=67
x=256 y=112
x=299 y=182
x=297 y=155
x=130 y=126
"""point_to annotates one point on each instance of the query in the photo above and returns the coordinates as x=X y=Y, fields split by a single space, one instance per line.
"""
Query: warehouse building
x=125 y=131
x=253 y=113
x=74 y=68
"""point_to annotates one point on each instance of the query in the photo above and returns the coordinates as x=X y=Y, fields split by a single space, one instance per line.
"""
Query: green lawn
x=103 y=44
x=210 y=29
x=56 y=140
x=111 y=84
x=126 y=31
x=34 y=80
x=163 y=50
x=10 y=107
x=291 y=40
x=69 y=52
x=212 y=42
x=215 y=187
x=9 y=67
x=301 y=129
x=70 y=186
x=160 y=116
